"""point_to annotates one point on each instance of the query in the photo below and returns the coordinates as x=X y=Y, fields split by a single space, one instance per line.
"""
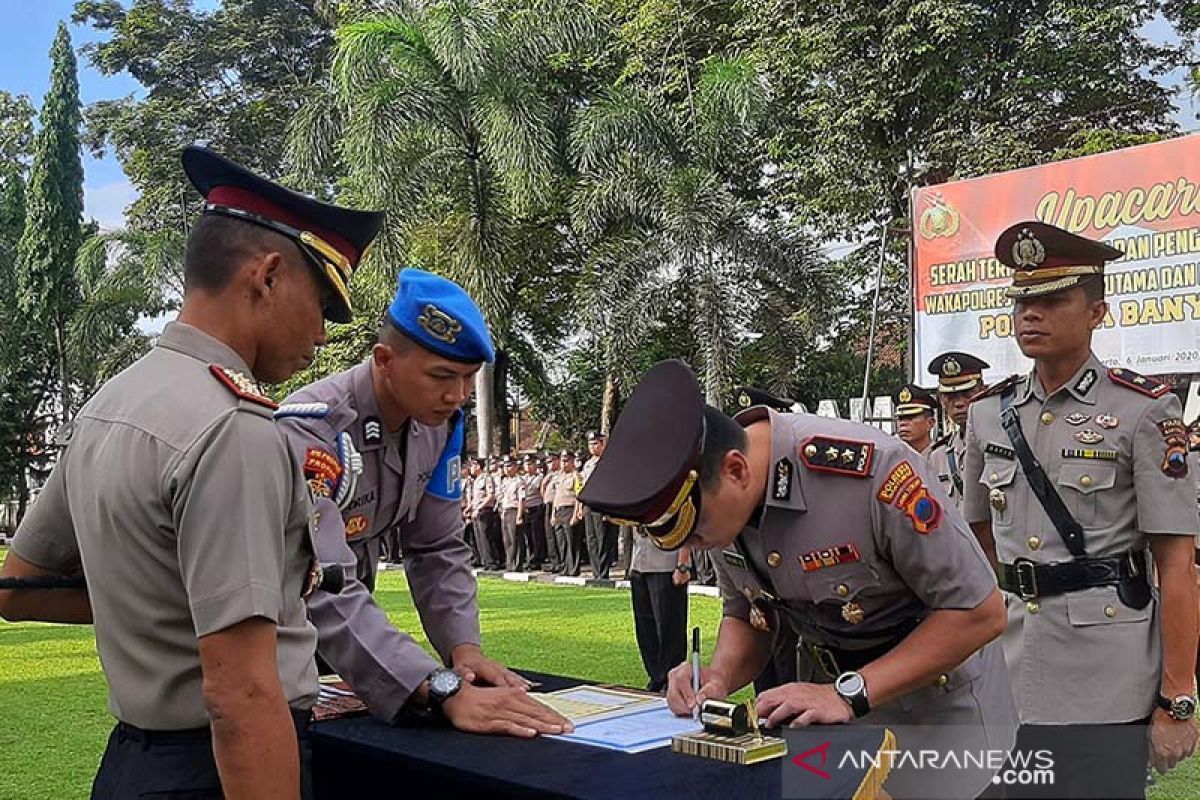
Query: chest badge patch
x=1107 y=421
x=1088 y=436
x=829 y=557
x=356 y=525
x=853 y=613
x=1076 y=418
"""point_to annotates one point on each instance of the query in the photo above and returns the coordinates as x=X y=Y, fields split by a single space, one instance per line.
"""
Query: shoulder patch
x=995 y=389
x=323 y=471
x=304 y=410
x=241 y=385
x=1139 y=383
x=446 y=480
x=840 y=456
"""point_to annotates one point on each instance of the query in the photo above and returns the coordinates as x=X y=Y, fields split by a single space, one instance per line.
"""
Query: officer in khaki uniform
x=181 y=504
x=547 y=489
x=1088 y=640
x=380 y=444
x=483 y=515
x=512 y=495
x=916 y=417
x=960 y=377
x=840 y=531
x=568 y=530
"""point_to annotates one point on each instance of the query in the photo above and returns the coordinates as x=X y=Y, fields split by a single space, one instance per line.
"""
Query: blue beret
x=440 y=316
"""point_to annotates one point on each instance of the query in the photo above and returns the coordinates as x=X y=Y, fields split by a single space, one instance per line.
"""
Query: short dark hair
x=721 y=434
x=1093 y=288
x=393 y=337
x=216 y=247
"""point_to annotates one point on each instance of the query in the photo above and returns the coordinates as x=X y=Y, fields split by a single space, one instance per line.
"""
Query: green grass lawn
x=54 y=721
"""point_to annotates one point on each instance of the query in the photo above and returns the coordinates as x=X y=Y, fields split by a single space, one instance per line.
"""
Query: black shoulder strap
x=1067 y=526
x=955 y=475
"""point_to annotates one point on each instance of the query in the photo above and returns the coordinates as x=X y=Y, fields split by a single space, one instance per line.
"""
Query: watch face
x=850 y=683
x=1183 y=707
x=444 y=682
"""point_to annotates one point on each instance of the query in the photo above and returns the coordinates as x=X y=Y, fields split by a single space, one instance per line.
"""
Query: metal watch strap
x=1067 y=526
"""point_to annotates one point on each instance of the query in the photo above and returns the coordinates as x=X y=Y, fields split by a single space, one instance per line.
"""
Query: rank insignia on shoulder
x=781 y=481
x=241 y=385
x=1086 y=381
x=991 y=448
x=829 y=557
x=1139 y=383
x=840 y=456
x=303 y=410
x=323 y=471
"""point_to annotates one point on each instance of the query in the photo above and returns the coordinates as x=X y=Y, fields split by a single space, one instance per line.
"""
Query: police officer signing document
x=179 y=501
x=841 y=532
x=380 y=446
x=1077 y=482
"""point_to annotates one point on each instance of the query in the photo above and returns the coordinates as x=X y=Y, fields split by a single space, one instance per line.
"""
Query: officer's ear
x=263 y=273
x=735 y=467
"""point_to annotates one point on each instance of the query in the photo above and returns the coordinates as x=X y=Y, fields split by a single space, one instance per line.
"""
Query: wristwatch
x=1179 y=708
x=443 y=684
x=851 y=687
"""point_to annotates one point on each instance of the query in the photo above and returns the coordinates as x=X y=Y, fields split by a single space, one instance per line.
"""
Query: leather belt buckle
x=1026 y=574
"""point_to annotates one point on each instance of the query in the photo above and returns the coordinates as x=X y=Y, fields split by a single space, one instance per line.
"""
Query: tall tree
x=54 y=217
x=443 y=114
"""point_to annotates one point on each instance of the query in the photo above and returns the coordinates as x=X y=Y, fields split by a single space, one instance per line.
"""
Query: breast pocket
x=997 y=478
x=842 y=584
x=1101 y=605
x=1081 y=485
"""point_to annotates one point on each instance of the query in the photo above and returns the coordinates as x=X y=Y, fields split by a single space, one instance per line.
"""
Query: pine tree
x=47 y=290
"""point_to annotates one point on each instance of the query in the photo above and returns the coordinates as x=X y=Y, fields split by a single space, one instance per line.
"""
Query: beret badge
x=439 y=324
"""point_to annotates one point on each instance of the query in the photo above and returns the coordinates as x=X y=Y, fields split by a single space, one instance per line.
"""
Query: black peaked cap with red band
x=652 y=456
x=335 y=238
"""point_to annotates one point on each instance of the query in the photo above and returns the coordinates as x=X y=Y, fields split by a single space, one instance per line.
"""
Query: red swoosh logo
x=823 y=749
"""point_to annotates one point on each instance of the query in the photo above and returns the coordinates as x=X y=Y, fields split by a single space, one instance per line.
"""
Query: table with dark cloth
x=361 y=754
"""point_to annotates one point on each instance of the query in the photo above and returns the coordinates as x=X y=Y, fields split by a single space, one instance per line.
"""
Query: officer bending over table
x=381 y=444
x=840 y=531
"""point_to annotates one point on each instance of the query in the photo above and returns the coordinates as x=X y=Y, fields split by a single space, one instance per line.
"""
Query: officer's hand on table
x=1171 y=741
x=681 y=698
x=807 y=703
x=473 y=666
x=502 y=710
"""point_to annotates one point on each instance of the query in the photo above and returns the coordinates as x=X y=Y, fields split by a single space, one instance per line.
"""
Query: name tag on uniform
x=734 y=559
x=1098 y=455
x=1000 y=450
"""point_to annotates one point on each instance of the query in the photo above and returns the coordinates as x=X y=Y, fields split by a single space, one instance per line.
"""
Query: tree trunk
x=500 y=393
x=484 y=416
x=60 y=344
x=608 y=408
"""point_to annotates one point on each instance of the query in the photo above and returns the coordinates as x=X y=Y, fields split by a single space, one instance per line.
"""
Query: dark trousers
x=175 y=764
x=468 y=534
x=568 y=537
x=601 y=543
x=514 y=540
x=553 y=554
x=535 y=536
x=485 y=539
x=660 y=624
x=1088 y=760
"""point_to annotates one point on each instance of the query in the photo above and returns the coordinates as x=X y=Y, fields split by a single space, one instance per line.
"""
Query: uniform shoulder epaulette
x=944 y=441
x=1139 y=383
x=302 y=410
x=996 y=389
x=840 y=456
x=241 y=385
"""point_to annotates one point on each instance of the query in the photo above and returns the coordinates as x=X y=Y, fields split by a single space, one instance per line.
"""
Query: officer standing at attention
x=599 y=533
x=915 y=410
x=533 y=515
x=380 y=444
x=178 y=499
x=568 y=533
x=547 y=488
x=1075 y=476
x=960 y=378
x=512 y=494
x=483 y=515
x=841 y=531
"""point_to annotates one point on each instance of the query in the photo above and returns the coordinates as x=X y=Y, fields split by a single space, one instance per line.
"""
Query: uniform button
x=943 y=679
x=842 y=590
x=1047 y=418
x=1032 y=607
x=773 y=558
x=1034 y=543
x=1085 y=480
x=1110 y=612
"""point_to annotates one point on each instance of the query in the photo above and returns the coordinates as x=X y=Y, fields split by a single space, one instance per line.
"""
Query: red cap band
x=235 y=197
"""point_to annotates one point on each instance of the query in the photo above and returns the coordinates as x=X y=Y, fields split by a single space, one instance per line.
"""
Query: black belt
x=300 y=719
x=1028 y=580
x=833 y=661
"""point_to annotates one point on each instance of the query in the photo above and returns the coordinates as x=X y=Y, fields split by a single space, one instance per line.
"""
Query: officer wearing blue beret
x=380 y=444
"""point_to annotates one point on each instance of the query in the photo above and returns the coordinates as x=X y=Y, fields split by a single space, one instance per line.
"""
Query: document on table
x=633 y=730
x=587 y=703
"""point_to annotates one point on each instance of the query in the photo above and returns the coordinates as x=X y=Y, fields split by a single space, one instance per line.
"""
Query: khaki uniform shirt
x=947 y=458
x=546 y=487
x=564 y=489
x=512 y=492
x=1084 y=656
x=483 y=493
x=184 y=508
x=532 y=490
x=410 y=480
x=856 y=544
